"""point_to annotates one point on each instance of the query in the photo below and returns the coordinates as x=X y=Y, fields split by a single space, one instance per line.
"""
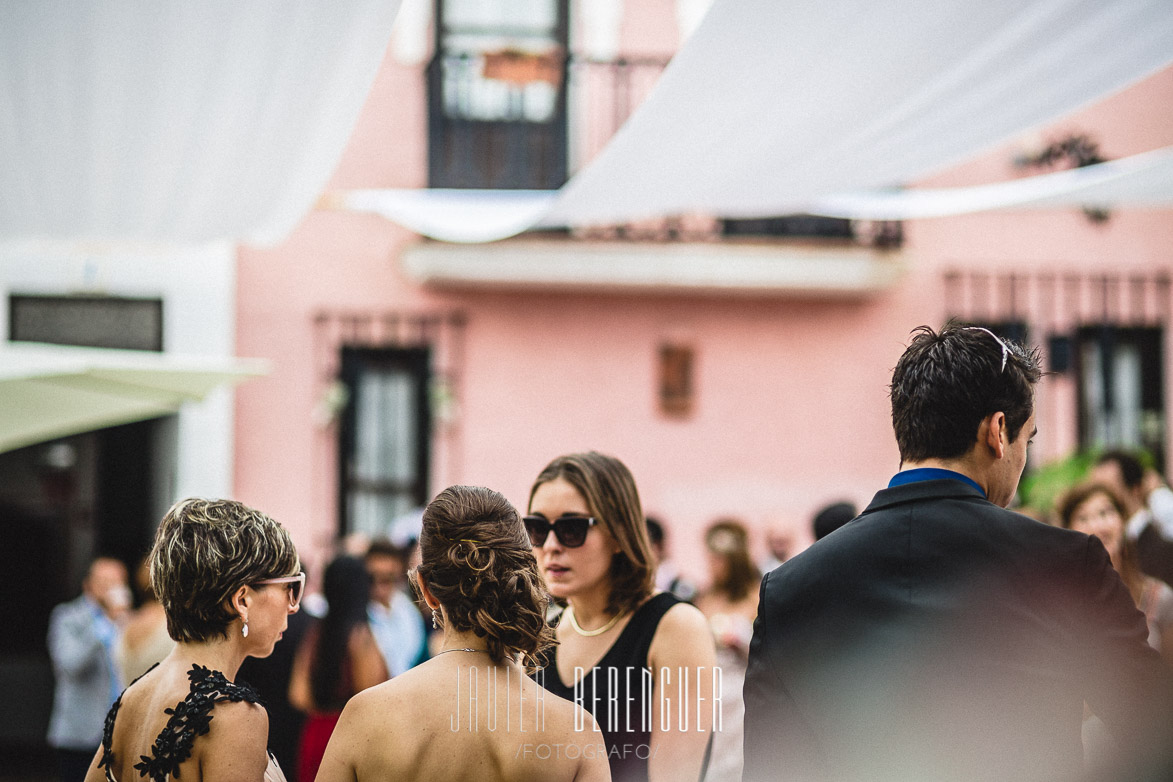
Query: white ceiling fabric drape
x=779 y=107
x=771 y=104
x=219 y=119
x=1140 y=181
x=176 y=121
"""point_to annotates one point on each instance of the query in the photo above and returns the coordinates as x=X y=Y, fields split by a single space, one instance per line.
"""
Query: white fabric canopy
x=468 y=216
x=50 y=391
x=774 y=107
x=1140 y=181
x=223 y=120
x=772 y=104
x=177 y=121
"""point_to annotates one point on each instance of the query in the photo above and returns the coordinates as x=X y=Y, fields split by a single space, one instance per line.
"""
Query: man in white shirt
x=394 y=619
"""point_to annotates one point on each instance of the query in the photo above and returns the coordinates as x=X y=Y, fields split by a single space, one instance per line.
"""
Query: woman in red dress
x=337 y=659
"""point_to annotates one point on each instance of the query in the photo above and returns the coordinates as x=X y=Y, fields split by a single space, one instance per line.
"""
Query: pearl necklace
x=591 y=633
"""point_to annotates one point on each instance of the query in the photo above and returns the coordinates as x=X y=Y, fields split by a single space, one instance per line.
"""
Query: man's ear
x=995 y=431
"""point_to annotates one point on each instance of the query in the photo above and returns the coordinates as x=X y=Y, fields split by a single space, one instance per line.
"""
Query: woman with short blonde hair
x=228 y=576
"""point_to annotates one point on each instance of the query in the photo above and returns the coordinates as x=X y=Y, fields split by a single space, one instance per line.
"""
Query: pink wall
x=791 y=405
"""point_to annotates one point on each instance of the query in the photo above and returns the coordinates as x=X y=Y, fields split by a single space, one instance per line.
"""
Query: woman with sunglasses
x=228 y=578
x=470 y=712
x=620 y=643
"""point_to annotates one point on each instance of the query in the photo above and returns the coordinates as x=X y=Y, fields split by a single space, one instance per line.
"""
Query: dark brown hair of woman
x=611 y=497
x=477 y=561
x=728 y=539
x=1080 y=493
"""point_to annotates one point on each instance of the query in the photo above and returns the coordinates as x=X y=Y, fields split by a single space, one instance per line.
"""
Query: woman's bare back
x=237 y=729
x=452 y=720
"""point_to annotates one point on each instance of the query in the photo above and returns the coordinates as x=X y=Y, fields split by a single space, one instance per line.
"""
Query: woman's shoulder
x=683 y=635
x=361 y=638
x=682 y=617
x=241 y=722
x=240 y=718
x=392 y=698
x=237 y=737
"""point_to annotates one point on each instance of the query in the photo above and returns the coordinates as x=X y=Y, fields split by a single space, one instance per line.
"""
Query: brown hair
x=1077 y=495
x=204 y=551
x=477 y=561
x=946 y=383
x=728 y=539
x=611 y=497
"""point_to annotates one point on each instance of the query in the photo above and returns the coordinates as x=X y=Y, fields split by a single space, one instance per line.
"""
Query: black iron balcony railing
x=511 y=120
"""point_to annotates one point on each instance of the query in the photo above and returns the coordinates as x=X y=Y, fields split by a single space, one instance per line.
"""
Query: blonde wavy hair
x=204 y=551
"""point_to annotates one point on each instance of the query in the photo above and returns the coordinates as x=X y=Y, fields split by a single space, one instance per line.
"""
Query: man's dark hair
x=1131 y=469
x=655 y=530
x=382 y=547
x=832 y=517
x=947 y=382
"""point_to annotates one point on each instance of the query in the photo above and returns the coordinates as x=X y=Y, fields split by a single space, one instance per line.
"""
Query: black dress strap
x=626 y=730
x=189 y=719
x=633 y=644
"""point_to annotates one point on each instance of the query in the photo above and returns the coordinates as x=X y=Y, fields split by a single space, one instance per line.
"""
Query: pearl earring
x=244 y=630
x=435 y=619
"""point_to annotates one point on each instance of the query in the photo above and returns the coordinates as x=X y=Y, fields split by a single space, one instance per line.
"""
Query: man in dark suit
x=938 y=636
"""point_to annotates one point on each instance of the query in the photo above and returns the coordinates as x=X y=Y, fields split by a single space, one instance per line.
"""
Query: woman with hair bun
x=470 y=712
x=623 y=648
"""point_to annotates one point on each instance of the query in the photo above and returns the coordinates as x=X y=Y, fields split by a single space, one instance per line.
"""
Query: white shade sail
x=176 y=121
x=50 y=391
x=772 y=104
x=1142 y=181
x=825 y=105
x=223 y=120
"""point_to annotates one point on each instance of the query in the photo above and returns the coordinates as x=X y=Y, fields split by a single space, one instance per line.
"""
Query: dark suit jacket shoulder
x=938 y=635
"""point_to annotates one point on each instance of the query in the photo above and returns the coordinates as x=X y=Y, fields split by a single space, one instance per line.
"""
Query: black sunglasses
x=571 y=531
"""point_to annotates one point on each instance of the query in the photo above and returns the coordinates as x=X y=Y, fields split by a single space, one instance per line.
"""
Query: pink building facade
x=738 y=375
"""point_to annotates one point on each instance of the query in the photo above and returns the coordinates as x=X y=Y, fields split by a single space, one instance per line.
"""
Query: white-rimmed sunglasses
x=1001 y=344
x=296 y=587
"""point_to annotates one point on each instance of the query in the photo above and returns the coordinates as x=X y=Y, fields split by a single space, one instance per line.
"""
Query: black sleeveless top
x=189 y=719
x=618 y=692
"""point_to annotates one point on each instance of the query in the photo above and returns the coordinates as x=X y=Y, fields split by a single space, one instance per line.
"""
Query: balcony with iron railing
x=511 y=120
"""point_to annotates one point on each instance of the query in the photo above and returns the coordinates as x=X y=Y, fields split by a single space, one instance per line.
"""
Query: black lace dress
x=189 y=719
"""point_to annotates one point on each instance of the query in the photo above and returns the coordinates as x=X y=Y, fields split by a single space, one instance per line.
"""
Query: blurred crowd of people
x=366 y=626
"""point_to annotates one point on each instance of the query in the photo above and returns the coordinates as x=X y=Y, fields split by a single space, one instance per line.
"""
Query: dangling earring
x=244 y=629
x=435 y=619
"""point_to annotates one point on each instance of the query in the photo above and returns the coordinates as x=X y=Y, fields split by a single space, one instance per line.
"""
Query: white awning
x=50 y=391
